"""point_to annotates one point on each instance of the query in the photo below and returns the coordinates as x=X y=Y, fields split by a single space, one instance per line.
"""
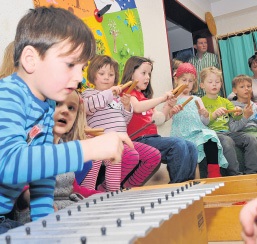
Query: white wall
x=237 y=21
x=10 y=14
x=229 y=15
x=154 y=31
x=223 y=7
x=156 y=47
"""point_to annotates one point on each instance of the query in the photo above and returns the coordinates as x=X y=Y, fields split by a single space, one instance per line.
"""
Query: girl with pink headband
x=191 y=124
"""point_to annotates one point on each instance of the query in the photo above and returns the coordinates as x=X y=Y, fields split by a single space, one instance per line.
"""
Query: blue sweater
x=35 y=162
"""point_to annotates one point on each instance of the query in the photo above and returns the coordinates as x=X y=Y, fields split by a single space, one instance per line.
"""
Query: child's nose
x=78 y=75
x=65 y=110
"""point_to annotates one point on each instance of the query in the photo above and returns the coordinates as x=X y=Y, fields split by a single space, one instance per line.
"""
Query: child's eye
x=70 y=65
x=71 y=108
x=58 y=104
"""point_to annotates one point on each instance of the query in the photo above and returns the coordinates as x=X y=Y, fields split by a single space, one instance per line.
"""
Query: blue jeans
x=179 y=154
x=7 y=224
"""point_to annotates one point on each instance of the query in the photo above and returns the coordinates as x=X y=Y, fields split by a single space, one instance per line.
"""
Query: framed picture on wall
x=184 y=55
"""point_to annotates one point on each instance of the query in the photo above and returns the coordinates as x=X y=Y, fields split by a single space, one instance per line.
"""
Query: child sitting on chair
x=223 y=115
x=190 y=124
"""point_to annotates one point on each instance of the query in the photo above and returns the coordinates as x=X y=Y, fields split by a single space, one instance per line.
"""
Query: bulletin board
x=117 y=31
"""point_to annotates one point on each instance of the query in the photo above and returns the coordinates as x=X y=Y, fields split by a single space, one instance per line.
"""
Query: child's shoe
x=83 y=190
x=213 y=171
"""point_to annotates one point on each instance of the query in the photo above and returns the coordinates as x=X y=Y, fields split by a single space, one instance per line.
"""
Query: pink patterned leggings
x=147 y=158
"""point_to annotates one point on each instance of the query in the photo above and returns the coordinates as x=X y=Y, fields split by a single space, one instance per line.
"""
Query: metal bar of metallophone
x=113 y=217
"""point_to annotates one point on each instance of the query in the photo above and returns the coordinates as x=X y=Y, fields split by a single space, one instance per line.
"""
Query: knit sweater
x=106 y=111
x=27 y=158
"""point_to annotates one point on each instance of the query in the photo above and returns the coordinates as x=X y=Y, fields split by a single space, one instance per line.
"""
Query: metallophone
x=171 y=213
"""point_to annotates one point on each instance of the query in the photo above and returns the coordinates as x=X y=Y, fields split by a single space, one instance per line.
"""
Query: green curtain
x=255 y=37
x=235 y=52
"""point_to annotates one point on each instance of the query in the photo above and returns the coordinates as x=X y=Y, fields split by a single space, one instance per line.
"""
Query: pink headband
x=185 y=68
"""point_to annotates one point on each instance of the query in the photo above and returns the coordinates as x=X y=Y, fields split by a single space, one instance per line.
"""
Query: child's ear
x=175 y=81
x=29 y=57
x=202 y=85
x=234 y=90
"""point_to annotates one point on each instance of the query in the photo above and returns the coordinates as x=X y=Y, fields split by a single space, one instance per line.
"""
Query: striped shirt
x=207 y=60
x=36 y=162
x=105 y=111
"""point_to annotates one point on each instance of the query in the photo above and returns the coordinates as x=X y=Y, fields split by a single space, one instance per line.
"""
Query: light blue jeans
x=7 y=224
x=179 y=155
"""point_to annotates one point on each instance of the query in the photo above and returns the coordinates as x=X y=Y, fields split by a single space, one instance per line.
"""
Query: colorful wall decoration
x=116 y=26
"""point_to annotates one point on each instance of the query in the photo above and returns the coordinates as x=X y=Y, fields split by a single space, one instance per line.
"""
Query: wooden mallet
x=94 y=131
x=197 y=104
x=124 y=86
x=134 y=84
x=178 y=90
x=187 y=101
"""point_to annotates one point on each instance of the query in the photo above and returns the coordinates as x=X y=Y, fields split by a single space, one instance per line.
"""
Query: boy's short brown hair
x=208 y=70
x=44 y=27
x=240 y=78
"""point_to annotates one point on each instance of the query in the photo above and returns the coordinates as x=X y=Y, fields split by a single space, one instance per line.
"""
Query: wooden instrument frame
x=221 y=212
x=222 y=207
